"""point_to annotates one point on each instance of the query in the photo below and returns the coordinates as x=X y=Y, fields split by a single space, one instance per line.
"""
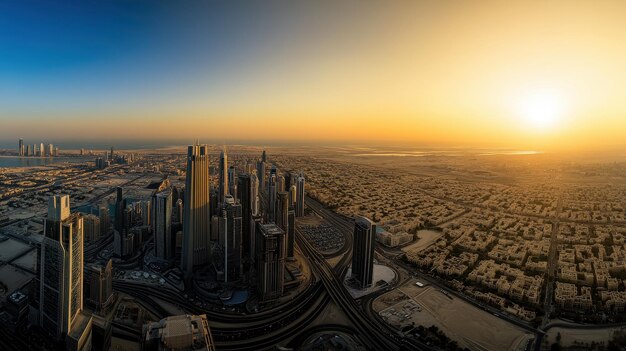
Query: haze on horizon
x=528 y=75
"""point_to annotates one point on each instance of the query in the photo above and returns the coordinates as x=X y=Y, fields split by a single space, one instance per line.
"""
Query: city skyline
x=320 y=175
x=414 y=73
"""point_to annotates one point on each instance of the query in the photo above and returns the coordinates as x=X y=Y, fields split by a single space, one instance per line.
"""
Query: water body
x=11 y=161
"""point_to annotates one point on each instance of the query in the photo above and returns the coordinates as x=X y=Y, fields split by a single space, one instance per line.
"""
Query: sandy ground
x=572 y=337
x=469 y=326
x=426 y=238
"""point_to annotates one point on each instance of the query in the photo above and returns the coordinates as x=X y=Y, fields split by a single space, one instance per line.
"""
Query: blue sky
x=404 y=71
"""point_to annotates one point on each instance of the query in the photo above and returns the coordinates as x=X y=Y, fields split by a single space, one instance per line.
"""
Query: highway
x=372 y=334
x=346 y=225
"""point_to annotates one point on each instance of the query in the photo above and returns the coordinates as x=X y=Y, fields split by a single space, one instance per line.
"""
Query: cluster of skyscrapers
x=236 y=229
x=240 y=227
x=36 y=150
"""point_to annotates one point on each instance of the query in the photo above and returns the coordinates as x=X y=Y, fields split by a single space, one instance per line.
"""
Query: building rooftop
x=184 y=332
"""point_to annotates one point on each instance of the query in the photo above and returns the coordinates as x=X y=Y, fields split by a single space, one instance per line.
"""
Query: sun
x=541 y=110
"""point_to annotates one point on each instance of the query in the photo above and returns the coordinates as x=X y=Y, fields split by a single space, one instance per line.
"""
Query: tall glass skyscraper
x=223 y=176
x=197 y=214
x=61 y=280
x=164 y=243
x=363 y=251
x=300 y=196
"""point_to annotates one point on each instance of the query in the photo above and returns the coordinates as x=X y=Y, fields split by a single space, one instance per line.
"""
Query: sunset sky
x=547 y=75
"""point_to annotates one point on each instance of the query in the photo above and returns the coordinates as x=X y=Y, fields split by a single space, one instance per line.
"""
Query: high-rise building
x=293 y=197
x=288 y=181
x=146 y=213
x=280 y=183
x=50 y=151
x=282 y=209
x=92 y=227
x=291 y=232
x=223 y=176
x=185 y=332
x=164 y=241
x=264 y=156
x=61 y=275
x=178 y=212
x=363 y=251
x=230 y=227
x=34 y=150
x=260 y=173
x=271 y=195
x=27 y=151
x=111 y=155
x=300 y=196
x=270 y=260
x=232 y=182
x=20 y=147
x=254 y=194
x=105 y=220
x=101 y=285
x=42 y=150
x=123 y=244
x=285 y=219
x=244 y=194
x=197 y=214
x=121 y=219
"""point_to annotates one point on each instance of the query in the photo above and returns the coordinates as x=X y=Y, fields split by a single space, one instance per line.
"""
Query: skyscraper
x=232 y=182
x=111 y=155
x=105 y=220
x=121 y=219
x=101 y=285
x=288 y=181
x=271 y=198
x=363 y=251
x=280 y=183
x=270 y=259
x=197 y=214
x=164 y=243
x=244 y=190
x=254 y=194
x=293 y=191
x=91 y=227
x=264 y=157
x=223 y=176
x=42 y=150
x=230 y=227
x=282 y=208
x=300 y=196
x=285 y=220
x=291 y=232
x=260 y=173
x=146 y=213
x=61 y=280
x=20 y=147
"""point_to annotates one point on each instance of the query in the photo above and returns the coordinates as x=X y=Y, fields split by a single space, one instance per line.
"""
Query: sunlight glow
x=542 y=110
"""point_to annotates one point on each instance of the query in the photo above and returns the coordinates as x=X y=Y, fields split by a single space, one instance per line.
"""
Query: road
x=346 y=224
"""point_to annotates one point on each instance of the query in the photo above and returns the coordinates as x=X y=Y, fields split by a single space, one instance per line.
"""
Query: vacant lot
x=426 y=238
x=469 y=326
